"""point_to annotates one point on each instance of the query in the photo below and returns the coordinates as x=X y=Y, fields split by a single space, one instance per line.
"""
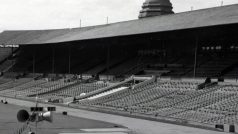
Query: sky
x=56 y=14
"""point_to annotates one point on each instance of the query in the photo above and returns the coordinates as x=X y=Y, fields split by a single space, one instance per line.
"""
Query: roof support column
x=69 y=58
x=108 y=56
x=53 y=59
x=195 y=56
x=33 y=62
x=12 y=58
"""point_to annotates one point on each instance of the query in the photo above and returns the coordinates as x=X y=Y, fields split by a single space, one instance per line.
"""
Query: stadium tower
x=155 y=8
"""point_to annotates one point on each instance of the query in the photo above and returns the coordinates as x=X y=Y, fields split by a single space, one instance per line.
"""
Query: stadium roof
x=187 y=20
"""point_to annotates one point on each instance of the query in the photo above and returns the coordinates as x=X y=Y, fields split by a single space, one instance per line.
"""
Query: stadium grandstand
x=180 y=67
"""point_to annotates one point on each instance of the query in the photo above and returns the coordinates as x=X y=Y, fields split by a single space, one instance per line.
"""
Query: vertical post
x=53 y=59
x=195 y=58
x=12 y=58
x=69 y=59
x=33 y=63
x=108 y=56
x=13 y=70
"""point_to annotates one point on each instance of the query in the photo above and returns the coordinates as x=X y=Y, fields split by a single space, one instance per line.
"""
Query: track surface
x=9 y=124
x=139 y=126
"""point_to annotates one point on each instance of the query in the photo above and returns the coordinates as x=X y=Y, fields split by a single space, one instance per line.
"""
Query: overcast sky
x=52 y=14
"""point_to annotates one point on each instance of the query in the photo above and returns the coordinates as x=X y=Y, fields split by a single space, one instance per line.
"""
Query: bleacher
x=74 y=90
x=4 y=53
x=181 y=99
x=233 y=73
x=175 y=99
x=186 y=73
x=6 y=60
x=123 y=67
x=171 y=96
x=6 y=65
x=208 y=69
x=103 y=66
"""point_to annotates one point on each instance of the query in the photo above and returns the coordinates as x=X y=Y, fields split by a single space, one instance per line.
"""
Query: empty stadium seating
x=4 y=53
x=177 y=99
x=74 y=90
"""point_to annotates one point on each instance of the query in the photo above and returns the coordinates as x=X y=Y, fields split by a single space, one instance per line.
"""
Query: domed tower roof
x=156 y=8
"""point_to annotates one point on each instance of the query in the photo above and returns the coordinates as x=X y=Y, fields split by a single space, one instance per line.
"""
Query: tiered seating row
x=173 y=99
x=75 y=90
x=176 y=99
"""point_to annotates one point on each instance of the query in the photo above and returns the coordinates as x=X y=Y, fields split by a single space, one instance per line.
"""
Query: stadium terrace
x=175 y=68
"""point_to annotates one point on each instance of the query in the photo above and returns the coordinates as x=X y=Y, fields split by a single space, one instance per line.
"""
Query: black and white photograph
x=118 y=67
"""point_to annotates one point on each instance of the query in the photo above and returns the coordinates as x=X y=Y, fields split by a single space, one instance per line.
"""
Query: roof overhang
x=188 y=20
